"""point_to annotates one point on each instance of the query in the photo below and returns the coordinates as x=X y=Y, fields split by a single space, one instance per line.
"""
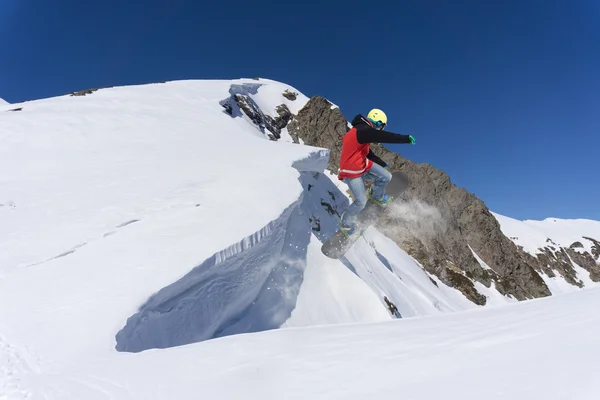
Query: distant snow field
x=554 y=233
x=152 y=246
x=534 y=235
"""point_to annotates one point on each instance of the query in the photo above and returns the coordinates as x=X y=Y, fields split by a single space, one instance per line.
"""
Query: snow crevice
x=250 y=286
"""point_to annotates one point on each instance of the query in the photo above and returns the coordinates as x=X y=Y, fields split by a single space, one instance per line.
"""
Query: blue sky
x=504 y=96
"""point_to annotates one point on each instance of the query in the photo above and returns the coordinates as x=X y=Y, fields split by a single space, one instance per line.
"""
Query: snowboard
x=338 y=244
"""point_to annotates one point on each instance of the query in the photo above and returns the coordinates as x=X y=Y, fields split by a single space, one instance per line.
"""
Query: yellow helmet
x=378 y=118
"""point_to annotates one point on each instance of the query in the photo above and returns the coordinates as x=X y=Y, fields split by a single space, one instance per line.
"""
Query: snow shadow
x=251 y=286
x=247 y=90
x=324 y=204
x=384 y=261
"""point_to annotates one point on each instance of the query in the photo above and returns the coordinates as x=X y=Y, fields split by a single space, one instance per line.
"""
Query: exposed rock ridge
x=462 y=222
x=240 y=102
x=456 y=223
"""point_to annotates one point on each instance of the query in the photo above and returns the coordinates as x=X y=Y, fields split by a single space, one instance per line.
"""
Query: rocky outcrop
x=290 y=95
x=586 y=261
x=91 y=90
x=594 y=269
x=595 y=247
x=243 y=103
x=319 y=125
x=438 y=223
x=554 y=260
x=392 y=307
x=84 y=92
x=275 y=125
x=557 y=260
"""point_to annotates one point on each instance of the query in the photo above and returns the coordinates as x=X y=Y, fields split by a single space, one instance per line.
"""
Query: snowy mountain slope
x=493 y=353
x=3 y=102
x=573 y=245
x=147 y=217
x=111 y=201
x=534 y=235
x=87 y=165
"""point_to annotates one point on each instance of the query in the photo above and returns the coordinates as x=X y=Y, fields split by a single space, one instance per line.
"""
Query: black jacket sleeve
x=371 y=156
x=367 y=134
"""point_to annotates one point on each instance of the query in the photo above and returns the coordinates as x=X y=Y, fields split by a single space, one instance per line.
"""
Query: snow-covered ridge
x=121 y=192
x=119 y=154
x=554 y=232
x=3 y=102
x=249 y=286
x=568 y=251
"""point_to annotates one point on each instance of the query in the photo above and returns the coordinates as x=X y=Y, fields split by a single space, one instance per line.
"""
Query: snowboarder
x=357 y=162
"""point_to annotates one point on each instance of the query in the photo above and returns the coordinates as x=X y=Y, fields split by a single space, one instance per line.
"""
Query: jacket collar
x=359 y=120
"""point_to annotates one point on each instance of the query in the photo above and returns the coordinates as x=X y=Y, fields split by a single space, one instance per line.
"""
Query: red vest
x=353 y=160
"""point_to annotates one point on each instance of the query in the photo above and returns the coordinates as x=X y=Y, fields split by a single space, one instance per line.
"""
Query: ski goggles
x=379 y=125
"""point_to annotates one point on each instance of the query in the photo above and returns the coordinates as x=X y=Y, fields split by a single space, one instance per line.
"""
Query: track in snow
x=12 y=368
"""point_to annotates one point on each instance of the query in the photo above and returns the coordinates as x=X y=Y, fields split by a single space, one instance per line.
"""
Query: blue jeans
x=381 y=178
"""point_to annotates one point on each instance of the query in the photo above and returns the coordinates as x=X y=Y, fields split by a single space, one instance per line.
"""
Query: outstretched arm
x=367 y=134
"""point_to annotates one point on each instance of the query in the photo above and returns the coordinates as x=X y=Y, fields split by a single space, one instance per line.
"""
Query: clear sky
x=504 y=96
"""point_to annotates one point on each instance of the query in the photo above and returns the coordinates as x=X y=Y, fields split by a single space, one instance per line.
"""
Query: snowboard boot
x=383 y=201
x=350 y=231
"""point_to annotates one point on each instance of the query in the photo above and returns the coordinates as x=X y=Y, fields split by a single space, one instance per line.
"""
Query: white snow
x=494 y=297
x=554 y=233
x=327 y=282
x=534 y=235
x=139 y=222
x=537 y=349
x=480 y=260
x=3 y=102
x=558 y=285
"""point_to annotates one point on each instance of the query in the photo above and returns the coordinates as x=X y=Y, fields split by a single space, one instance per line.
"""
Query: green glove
x=412 y=139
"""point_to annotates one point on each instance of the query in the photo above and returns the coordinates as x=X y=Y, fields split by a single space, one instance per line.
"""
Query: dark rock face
x=318 y=125
x=437 y=222
x=84 y=92
x=559 y=262
x=595 y=247
x=392 y=307
x=290 y=95
x=240 y=102
x=586 y=261
x=553 y=259
x=456 y=279
x=595 y=270
x=275 y=125
x=249 y=107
